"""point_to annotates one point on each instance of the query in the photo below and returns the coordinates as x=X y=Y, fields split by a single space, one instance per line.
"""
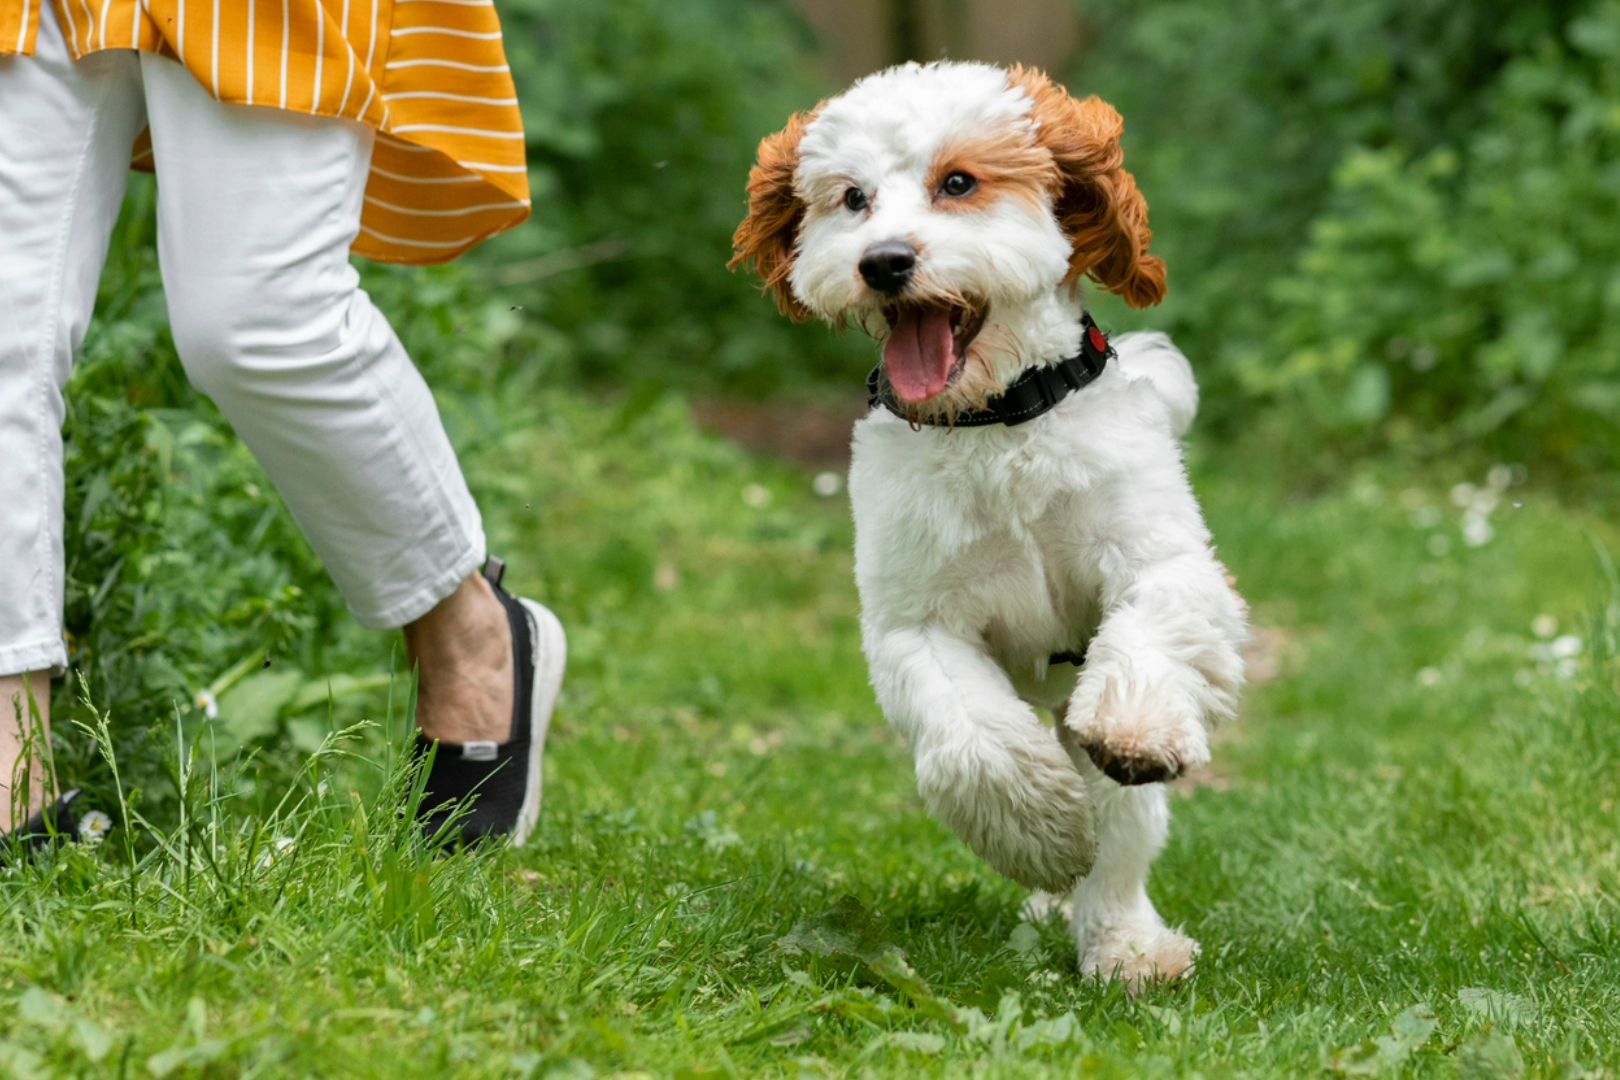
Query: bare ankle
x=24 y=744
x=462 y=652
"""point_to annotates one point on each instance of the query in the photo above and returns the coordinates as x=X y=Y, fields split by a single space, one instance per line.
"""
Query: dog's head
x=949 y=209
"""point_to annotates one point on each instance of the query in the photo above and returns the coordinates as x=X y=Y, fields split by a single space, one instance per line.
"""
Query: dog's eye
x=855 y=199
x=958 y=184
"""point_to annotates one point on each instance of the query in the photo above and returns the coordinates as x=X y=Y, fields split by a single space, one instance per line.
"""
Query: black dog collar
x=1031 y=394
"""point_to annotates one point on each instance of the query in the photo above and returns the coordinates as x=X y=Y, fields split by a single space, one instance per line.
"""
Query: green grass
x=1410 y=836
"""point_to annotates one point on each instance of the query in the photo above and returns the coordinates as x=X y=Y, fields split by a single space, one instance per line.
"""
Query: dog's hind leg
x=1118 y=932
x=986 y=767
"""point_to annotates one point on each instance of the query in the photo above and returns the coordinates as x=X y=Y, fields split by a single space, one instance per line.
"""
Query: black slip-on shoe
x=52 y=825
x=503 y=779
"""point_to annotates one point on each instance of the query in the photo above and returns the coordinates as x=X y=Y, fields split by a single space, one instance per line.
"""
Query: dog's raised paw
x=1134 y=736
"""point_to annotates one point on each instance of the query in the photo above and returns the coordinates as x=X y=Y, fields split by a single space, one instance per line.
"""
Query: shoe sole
x=550 y=658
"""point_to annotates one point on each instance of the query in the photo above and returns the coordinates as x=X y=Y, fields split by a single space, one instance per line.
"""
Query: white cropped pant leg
x=256 y=211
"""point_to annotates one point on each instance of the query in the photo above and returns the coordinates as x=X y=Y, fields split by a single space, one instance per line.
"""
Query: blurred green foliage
x=1389 y=223
x=642 y=118
x=1390 y=226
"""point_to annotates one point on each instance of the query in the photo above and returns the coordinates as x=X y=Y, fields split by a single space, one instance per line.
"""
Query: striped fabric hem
x=448 y=168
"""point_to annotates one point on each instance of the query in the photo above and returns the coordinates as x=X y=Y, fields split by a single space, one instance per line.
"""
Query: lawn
x=1404 y=859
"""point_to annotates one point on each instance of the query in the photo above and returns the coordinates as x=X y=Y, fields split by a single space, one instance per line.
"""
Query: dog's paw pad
x=1133 y=769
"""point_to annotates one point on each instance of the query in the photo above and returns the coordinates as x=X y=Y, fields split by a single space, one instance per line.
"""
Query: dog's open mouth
x=927 y=346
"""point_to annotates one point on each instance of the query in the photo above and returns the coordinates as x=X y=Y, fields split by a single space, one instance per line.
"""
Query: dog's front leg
x=986 y=767
x=1164 y=664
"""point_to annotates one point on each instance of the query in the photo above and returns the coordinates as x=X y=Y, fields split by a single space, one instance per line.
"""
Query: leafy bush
x=1393 y=219
x=642 y=119
x=1478 y=289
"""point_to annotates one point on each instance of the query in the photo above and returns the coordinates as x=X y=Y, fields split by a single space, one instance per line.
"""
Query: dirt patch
x=814 y=434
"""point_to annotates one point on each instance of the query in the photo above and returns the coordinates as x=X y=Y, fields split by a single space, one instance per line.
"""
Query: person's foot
x=500 y=771
x=50 y=826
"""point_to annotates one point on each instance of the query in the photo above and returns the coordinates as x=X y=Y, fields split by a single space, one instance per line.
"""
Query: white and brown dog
x=1047 y=555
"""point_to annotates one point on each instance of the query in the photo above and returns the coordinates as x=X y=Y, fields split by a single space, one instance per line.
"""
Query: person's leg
x=256 y=211
x=25 y=725
x=66 y=130
x=462 y=649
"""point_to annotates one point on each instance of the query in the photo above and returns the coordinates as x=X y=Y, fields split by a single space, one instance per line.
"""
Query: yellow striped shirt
x=430 y=75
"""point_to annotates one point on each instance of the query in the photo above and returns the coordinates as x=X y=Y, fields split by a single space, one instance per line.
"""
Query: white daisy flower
x=1565 y=647
x=1476 y=530
x=208 y=703
x=93 y=827
x=277 y=846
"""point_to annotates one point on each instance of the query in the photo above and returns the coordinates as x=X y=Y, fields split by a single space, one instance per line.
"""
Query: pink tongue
x=920 y=353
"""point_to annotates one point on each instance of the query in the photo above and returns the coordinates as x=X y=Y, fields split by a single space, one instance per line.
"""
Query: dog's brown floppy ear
x=1097 y=203
x=768 y=234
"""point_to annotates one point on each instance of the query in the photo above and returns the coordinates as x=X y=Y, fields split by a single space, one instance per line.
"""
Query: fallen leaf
x=1490 y=1055
x=1499 y=1005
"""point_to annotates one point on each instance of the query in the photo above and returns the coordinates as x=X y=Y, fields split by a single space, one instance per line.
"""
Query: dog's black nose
x=887 y=265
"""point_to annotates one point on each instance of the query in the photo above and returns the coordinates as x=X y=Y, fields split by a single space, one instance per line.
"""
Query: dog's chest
x=974 y=535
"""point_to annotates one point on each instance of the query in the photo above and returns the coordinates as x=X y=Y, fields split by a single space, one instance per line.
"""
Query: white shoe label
x=480 y=751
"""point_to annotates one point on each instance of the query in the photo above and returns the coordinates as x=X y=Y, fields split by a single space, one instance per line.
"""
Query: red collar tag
x=1099 y=340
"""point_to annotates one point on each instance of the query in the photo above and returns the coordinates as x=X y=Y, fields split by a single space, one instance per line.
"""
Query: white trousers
x=256 y=211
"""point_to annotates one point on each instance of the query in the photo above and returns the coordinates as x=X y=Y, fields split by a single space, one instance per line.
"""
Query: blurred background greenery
x=1390 y=224
x=1392 y=228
